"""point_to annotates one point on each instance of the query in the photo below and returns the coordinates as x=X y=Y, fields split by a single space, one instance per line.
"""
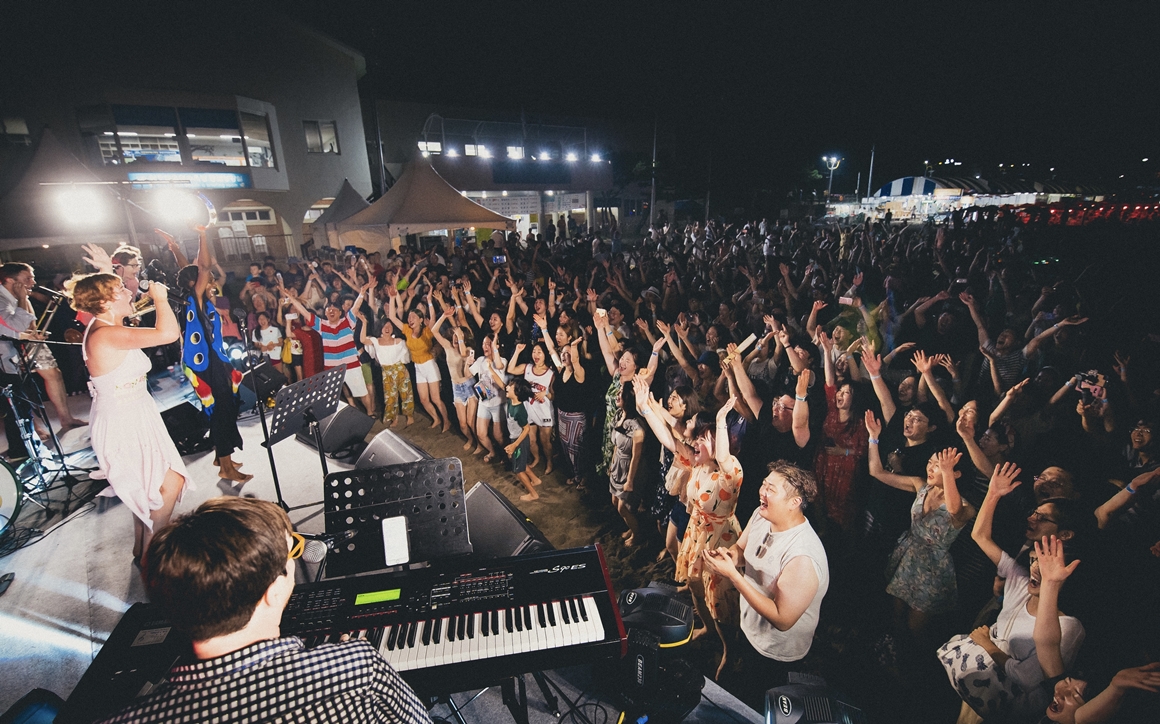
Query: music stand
x=428 y=493
x=304 y=402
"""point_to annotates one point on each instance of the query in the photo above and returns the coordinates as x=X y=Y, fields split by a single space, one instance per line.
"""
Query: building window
x=321 y=136
x=469 y=149
x=256 y=131
x=142 y=133
x=214 y=136
x=15 y=131
x=250 y=216
x=515 y=153
x=431 y=146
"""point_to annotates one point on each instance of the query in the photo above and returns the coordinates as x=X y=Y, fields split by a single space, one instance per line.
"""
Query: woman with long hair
x=460 y=357
x=571 y=397
x=844 y=449
x=540 y=411
x=421 y=343
x=623 y=366
x=627 y=455
x=134 y=451
x=671 y=511
x=392 y=355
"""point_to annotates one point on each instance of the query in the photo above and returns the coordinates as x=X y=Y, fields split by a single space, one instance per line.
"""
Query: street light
x=832 y=163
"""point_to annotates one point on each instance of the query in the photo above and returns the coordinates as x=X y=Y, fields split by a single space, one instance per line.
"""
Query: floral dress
x=712 y=500
x=924 y=573
x=610 y=412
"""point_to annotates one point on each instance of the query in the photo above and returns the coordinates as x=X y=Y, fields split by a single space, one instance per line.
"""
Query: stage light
x=82 y=205
x=1144 y=160
x=545 y=156
x=484 y=152
x=503 y=193
x=451 y=153
x=425 y=154
x=178 y=207
x=596 y=158
x=571 y=158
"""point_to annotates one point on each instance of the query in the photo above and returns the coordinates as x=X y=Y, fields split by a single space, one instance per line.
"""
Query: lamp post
x=832 y=163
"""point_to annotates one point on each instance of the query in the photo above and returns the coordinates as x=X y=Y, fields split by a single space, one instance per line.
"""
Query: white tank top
x=540 y=383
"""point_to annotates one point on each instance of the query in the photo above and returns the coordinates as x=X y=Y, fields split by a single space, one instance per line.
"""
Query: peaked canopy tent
x=419 y=201
x=42 y=207
x=347 y=202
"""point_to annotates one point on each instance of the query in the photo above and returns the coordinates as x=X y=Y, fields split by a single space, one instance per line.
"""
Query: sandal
x=489 y=457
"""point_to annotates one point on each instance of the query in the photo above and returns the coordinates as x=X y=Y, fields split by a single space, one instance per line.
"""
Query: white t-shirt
x=270 y=335
x=389 y=354
x=801 y=540
x=1013 y=634
x=492 y=389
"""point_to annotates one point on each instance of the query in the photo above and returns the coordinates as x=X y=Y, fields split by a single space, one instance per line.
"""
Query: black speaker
x=387 y=448
x=497 y=528
x=345 y=428
x=263 y=380
x=188 y=427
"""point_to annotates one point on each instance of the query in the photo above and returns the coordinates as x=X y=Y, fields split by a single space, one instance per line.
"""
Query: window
x=256 y=131
x=469 y=149
x=142 y=133
x=431 y=146
x=15 y=130
x=321 y=136
x=214 y=136
x=251 y=216
x=515 y=153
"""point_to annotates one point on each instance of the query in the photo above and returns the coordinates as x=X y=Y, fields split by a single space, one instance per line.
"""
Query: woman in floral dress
x=923 y=580
x=623 y=366
x=715 y=478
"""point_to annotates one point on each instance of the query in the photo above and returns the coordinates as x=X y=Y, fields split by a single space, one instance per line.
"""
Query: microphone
x=315 y=551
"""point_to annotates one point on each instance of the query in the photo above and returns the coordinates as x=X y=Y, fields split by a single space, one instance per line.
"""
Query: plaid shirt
x=280 y=680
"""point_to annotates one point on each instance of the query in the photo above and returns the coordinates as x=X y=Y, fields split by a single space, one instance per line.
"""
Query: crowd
x=920 y=419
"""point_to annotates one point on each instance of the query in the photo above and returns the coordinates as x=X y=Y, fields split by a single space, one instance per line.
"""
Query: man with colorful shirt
x=242 y=669
x=338 y=345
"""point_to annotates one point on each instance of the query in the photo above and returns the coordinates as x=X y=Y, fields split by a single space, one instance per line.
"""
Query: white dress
x=133 y=447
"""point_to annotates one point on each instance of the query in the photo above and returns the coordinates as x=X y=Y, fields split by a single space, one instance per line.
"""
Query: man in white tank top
x=785 y=576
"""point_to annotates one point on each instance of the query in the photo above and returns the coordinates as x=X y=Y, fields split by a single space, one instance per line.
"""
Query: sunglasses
x=298 y=547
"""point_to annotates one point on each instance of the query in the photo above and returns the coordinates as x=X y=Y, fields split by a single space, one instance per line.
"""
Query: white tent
x=419 y=201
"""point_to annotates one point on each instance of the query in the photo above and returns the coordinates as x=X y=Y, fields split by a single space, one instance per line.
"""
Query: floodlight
x=484 y=152
x=571 y=158
x=451 y=153
x=545 y=156
x=178 y=207
x=82 y=205
x=596 y=158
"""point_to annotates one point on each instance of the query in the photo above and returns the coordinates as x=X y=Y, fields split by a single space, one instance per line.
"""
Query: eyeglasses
x=1038 y=517
x=298 y=547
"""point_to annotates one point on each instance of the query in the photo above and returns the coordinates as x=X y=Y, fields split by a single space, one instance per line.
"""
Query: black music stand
x=428 y=493
x=304 y=402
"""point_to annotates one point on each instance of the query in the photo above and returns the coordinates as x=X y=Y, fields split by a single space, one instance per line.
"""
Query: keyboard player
x=223 y=574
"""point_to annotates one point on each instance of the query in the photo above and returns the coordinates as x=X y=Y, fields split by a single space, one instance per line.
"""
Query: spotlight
x=596 y=158
x=545 y=156
x=82 y=205
x=571 y=158
x=451 y=153
x=178 y=207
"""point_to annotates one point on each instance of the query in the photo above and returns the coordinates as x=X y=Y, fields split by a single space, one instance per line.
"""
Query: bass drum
x=11 y=496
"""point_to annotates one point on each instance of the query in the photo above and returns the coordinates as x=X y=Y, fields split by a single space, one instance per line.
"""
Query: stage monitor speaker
x=264 y=380
x=188 y=427
x=387 y=448
x=497 y=528
x=345 y=428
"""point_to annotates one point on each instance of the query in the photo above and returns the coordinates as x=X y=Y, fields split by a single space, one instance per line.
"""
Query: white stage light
x=178 y=207
x=82 y=205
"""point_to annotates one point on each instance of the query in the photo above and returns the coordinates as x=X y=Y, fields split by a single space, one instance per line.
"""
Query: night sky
x=769 y=89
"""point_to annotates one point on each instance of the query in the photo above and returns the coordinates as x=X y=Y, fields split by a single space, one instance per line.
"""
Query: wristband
x=873 y=441
x=609 y=333
x=656 y=354
x=875 y=377
x=799 y=398
x=1130 y=489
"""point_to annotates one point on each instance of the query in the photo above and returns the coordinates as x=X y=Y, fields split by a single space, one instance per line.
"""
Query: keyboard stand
x=517 y=701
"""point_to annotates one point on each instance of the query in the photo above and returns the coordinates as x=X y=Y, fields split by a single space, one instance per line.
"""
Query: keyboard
x=464 y=625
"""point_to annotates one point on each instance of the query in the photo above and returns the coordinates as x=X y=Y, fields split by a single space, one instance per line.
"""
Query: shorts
x=489 y=412
x=368 y=376
x=427 y=372
x=521 y=455
x=463 y=392
x=679 y=517
x=42 y=359
x=296 y=360
x=541 y=414
x=354 y=380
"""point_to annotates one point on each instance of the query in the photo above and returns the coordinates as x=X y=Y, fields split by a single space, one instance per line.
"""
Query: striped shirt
x=338 y=347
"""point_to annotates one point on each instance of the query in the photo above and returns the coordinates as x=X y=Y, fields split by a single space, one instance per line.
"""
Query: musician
x=782 y=580
x=223 y=574
x=127 y=265
x=17 y=319
x=205 y=360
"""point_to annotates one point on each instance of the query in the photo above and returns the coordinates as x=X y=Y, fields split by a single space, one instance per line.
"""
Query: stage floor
x=74 y=583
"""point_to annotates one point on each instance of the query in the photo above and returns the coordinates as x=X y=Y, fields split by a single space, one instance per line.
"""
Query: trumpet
x=142 y=306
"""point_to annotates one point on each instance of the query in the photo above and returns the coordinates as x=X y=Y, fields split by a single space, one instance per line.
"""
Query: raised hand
x=641 y=324
x=783 y=268
x=948 y=363
x=819 y=305
x=968 y=299
x=519 y=348
x=770 y=321
x=541 y=321
x=965 y=426
x=724 y=411
x=98 y=258
x=873 y=425
x=1121 y=365
x=858 y=279
x=826 y=341
x=922 y=363
x=1051 y=560
x=659 y=344
x=1072 y=321
x=640 y=387
x=1003 y=479
x=591 y=296
x=1146 y=677
x=664 y=328
x=947 y=460
x=1018 y=389
x=872 y=362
